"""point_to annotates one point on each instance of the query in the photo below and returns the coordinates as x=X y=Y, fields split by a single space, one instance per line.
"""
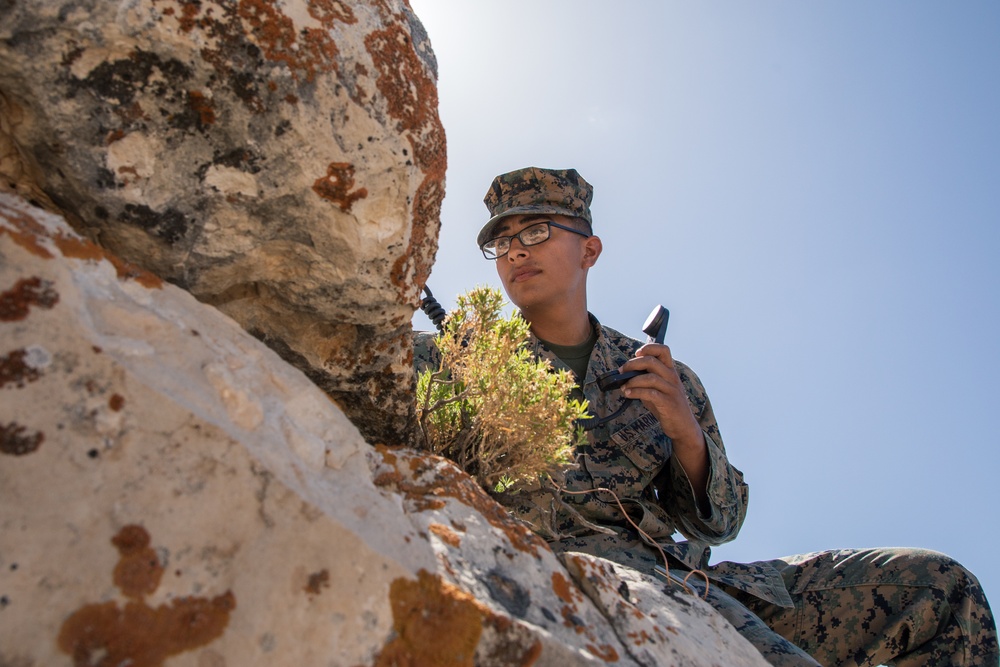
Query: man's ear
x=592 y=248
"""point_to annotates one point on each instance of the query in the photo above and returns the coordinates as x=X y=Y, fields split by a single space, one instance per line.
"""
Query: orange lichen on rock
x=447 y=535
x=77 y=248
x=189 y=11
x=337 y=184
x=562 y=587
x=260 y=26
x=140 y=636
x=572 y=594
x=387 y=479
x=416 y=261
x=439 y=625
x=571 y=620
x=276 y=35
x=202 y=105
x=138 y=571
x=411 y=95
x=445 y=480
x=388 y=454
x=137 y=634
x=436 y=624
x=28 y=233
x=605 y=652
x=328 y=11
x=16 y=302
x=642 y=637
x=317 y=582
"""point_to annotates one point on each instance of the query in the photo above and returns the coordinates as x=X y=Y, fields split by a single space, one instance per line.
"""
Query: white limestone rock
x=172 y=492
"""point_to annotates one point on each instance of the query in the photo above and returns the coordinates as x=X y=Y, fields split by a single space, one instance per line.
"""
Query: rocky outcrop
x=171 y=490
x=281 y=161
x=174 y=493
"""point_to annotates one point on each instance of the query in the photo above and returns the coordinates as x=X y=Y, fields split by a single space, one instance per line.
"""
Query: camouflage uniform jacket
x=631 y=456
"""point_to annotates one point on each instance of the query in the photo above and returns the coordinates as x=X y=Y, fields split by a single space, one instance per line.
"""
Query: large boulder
x=172 y=492
x=283 y=161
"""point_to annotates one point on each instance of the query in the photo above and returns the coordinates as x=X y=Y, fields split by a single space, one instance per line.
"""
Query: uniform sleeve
x=425 y=352
x=727 y=492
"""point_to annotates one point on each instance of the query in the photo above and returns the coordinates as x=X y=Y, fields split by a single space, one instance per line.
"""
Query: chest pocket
x=630 y=457
x=642 y=441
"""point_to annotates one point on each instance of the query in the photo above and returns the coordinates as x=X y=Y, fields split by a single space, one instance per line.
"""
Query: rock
x=282 y=161
x=175 y=493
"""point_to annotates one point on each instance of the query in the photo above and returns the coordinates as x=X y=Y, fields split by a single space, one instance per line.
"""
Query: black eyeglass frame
x=549 y=223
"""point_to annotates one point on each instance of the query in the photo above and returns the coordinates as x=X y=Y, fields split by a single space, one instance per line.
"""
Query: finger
x=668 y=408
x=658 y=386
x=660 y=395
x=654 y=365
x=661 y=352
x=649 y=366
x=648 y=363
x=649 y=396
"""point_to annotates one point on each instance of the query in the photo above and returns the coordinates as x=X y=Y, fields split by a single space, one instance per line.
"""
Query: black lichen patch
x=242 y=158
x=170 y=225
x=105 y=179
x=16 y=441
x=245 y=87
x=119 y=81
x=624 y=592
x=510 y=594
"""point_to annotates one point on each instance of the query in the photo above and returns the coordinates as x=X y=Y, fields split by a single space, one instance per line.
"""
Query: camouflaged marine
x=654 y=446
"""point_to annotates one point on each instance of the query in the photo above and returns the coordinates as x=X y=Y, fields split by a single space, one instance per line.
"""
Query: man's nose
x=519 y=250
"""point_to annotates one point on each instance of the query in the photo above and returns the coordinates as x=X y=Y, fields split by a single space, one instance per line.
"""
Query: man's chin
x=525 y=300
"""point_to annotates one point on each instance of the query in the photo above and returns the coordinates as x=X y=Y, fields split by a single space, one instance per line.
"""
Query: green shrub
x=501 y=415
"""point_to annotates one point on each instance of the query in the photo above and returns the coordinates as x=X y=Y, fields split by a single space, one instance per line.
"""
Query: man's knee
x=845 y=568
x=930 y=568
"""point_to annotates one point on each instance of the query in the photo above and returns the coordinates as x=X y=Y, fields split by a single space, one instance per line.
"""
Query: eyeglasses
x=534 y=234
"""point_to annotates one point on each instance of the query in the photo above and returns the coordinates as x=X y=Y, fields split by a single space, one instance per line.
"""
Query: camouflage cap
x=536 y=190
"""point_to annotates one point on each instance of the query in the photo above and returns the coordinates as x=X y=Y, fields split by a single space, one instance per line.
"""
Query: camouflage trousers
x=903 y=607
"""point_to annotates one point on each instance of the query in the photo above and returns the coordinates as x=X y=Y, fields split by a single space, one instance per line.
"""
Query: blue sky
x=813 y=190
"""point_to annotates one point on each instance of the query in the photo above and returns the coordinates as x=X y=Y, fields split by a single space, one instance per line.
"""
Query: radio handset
x=656 y=328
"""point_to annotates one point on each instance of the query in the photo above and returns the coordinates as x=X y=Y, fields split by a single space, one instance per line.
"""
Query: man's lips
x=523 y=273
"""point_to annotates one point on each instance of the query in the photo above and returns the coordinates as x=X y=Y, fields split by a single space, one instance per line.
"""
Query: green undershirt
x=577 y=357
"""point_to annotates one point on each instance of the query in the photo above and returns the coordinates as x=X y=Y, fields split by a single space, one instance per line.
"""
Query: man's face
x=545 y=274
